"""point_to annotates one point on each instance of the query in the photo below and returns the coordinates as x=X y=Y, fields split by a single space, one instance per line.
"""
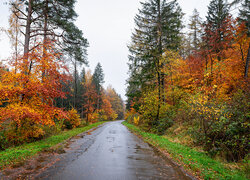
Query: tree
x=245 y=17
x=106 y=112
x=41 y=20
x=195 y=27
x=158 y=26
x=14 y=29
x=98 y=80
x=36 y=108
x=89 y=96
x=116 y=102
x=216 y=24
x=81 y=91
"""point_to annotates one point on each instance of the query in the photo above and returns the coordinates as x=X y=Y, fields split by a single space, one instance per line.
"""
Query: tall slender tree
x=158 y=26
x=245 y=17
x=54 y=21
x=98 y=80
x=216 y=24
x=195 y=30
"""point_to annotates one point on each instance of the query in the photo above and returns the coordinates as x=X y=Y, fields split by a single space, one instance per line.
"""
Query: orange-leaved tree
x=27 y=101
x=106 y=112
x=90 y=96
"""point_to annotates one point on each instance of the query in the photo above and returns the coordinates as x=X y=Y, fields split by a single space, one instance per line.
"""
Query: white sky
x=107 y=24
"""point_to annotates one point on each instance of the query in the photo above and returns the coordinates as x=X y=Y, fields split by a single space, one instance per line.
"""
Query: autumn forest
x=188 y=82
x=41 y=90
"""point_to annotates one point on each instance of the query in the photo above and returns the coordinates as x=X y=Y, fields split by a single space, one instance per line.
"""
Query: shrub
x=3 y=140
x=162 y=125
x=26 y=131
x=223 y=128
x=136 y=120
x=73 y=119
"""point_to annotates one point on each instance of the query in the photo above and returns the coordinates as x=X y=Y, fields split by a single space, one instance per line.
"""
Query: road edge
x=56 y=148
x=165 y=155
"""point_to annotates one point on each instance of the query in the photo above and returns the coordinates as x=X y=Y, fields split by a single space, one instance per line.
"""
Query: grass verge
x=192 y=160
x=20 y=153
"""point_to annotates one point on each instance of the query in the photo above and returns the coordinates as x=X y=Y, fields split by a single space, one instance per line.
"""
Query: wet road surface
x=111 y=152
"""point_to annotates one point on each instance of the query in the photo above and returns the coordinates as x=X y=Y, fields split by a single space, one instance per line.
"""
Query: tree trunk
x=158 y=65
x=16 y=43
x=27 y=43
x=27 y=33
x=98 y=100
x=247 y=63
x=45 y=29
x=75 y=84
x=159 y=96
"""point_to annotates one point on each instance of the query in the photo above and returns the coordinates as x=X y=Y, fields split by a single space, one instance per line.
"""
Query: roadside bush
x=55 y=129
x=73 y=119
x=162 y=125
x=130 y=115
x=26 y=132
x=222 y=128
x=148 y=112
x=3 y=140
x=25 y=123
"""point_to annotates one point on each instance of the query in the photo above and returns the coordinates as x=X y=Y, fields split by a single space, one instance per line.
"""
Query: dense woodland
x=44 y=87
x=193 y=78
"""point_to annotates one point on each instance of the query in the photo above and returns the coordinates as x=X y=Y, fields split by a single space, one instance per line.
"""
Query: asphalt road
x=112 y=152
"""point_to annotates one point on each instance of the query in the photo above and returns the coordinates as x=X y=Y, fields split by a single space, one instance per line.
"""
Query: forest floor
x=193 y=160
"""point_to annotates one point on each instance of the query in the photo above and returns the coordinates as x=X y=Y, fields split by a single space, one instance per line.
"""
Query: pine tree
x=52 y=20
x=81 y=91
x=195 y=30
x=245 y=14
x=216 y=25
x=98 y=80
x=158 y=26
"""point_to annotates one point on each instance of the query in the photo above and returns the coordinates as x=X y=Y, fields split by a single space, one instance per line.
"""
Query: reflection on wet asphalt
x=112 y=152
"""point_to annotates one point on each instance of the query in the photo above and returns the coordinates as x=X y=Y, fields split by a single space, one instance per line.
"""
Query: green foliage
x=98 y=80
x=162 y=125
x=244 y=14
x=222 y=128
x=218 y=10
x=158 y=26
x=148 y=111
x=3 y=140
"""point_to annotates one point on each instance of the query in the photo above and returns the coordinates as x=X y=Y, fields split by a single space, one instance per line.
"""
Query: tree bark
x=45 y=41
x=75 y=84
x=27 y=43
x=160 y=79
x=247 y=63
x=27 y=31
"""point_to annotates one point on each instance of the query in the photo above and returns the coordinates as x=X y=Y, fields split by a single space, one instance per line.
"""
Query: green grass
x=20 y=153
x=197 y=162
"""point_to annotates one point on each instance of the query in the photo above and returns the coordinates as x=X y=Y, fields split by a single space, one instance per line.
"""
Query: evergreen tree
x=195 y=30
x=81 y=91
x=158 y=26
x=216 y=25
x=98 y=80
x=245 y=14
x=52 y=20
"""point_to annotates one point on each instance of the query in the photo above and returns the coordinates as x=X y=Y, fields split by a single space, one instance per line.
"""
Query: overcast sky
x=107 y=24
